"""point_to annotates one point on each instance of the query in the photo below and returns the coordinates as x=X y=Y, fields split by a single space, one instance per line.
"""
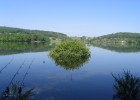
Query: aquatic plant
x=70 y=54
x=127 y=87
x=15 y=93
x=27 y=95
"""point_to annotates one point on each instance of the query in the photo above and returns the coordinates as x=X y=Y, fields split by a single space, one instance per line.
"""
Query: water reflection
x=120 y=47
x=21 y=47
x=14 y=90
x=71 y=63
x=51 y=82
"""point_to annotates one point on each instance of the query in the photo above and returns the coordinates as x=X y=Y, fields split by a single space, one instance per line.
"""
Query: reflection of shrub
x=70 y=54
x=127 y=87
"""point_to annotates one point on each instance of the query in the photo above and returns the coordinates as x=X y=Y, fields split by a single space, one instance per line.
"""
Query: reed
x=127 y=87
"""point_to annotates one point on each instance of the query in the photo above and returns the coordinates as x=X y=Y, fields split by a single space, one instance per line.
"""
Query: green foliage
x=127 y=87
x=82 y=39
x=10 y=30
x=119 y=42
x=23 y=38
x=70 y=54
x=122 y=37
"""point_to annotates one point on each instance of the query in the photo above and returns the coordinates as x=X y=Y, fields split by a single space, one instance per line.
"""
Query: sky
x=72 y=17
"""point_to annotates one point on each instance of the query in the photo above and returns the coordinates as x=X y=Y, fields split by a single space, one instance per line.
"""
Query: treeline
x=121 y=37
x=7 y=30
x=18 y=37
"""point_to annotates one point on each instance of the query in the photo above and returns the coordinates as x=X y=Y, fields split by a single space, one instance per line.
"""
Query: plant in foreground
x=127 y=87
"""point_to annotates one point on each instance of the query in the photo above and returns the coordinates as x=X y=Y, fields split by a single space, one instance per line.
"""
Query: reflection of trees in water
x=119 y=47
x=14 y=90
x=71 y=63
x=127 y=87
x=21 y=47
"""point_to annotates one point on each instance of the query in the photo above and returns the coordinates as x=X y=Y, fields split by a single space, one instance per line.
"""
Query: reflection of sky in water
x=93 y=81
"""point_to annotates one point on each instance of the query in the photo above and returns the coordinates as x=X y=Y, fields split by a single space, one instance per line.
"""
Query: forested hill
x=11 y=30
x=121 y=35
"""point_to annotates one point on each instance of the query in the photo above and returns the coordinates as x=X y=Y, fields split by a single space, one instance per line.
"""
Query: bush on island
x=70 y=54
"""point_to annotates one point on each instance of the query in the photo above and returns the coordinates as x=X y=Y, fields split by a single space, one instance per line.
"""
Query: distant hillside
x=7 y=30
x=121 y=37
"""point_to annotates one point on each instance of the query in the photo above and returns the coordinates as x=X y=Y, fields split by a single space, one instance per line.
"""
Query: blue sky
x=72 y=17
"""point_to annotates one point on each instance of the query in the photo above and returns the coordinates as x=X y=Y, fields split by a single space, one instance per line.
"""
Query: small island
x=70 y=54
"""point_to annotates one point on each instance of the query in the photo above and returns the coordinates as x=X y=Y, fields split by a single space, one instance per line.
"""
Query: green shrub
x=70 y=54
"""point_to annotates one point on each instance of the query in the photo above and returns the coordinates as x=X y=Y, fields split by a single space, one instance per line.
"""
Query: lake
x=33 y=69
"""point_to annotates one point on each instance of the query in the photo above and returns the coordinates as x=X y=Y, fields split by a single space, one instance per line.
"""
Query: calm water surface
x=92 y=81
